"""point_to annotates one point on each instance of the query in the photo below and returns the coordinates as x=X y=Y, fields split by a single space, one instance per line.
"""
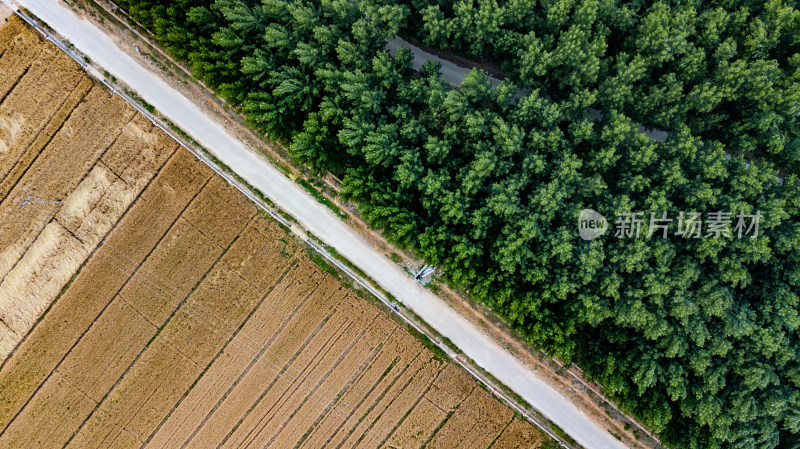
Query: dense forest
x=726 y=69
x=697 y=337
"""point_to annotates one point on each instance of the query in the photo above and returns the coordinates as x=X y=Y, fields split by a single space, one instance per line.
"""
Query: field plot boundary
x=98 y=251
x=219 y=353
x=433 y=339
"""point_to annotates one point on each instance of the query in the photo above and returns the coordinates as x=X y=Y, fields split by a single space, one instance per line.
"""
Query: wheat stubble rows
x=144 y=302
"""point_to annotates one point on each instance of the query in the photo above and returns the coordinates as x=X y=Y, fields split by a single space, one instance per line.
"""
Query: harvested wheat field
x=146 y=303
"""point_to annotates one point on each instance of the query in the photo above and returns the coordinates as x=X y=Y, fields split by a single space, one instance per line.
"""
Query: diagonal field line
x=134 y=274
x=18 y=202
x=246 y=348
x=72 y=384
x=200 y=317
x=516 y=376
x=249 y=350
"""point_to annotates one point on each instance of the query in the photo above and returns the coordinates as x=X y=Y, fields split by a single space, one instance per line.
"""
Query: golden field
x=144 y=302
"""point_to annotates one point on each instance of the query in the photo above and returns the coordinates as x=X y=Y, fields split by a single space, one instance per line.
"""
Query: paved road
x=454 y=75
x=317 y=219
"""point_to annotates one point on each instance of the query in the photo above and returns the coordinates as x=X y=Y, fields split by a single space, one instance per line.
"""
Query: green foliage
x=696 y=337
x=727 y=70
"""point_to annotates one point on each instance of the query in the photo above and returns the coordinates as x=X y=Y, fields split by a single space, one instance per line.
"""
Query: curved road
x=317 y=219
x=454 y=74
